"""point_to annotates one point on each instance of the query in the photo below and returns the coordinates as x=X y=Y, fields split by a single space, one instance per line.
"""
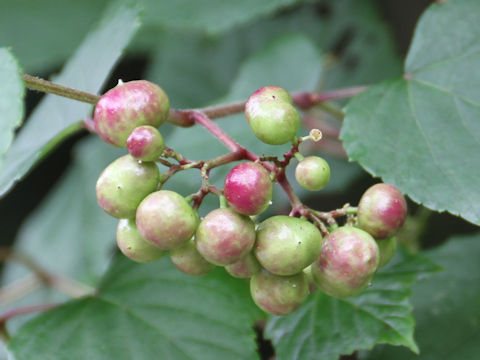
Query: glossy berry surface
x=271 y=115
x=166 y=219
x=381 y=211
x=387 y=249
x=245 y=267
x=313 y=173
x=188 y=260
x=286 y=245
x=347 y=262
x=132 y=244
x=248 y=188
x=145 y=143
x=127 y=106
x=224 y=236
x=278 y=295
x=124 y=184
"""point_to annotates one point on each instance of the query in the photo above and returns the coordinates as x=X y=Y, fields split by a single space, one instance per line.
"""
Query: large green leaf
x=325 y=327
x=11 y=99
x=420 y=132
x=56 y=117
x=69 y=234
x=447 y=306
x=212 y=16
x=147 y=311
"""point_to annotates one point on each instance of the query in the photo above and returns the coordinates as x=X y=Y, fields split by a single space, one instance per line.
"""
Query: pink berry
x=145 y=143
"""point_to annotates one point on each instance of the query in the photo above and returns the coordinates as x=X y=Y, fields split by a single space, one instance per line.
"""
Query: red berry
x=145 y=143
x=248 y=188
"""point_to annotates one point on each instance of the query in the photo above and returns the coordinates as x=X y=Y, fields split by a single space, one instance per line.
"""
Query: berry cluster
x=285 y=257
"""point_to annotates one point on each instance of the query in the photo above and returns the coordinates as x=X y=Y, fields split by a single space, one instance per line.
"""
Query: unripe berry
x=347 y=262
x=145 y=143
x=382 y=211
x=127 y=106
x=387 y=249
x=278 y=295
x=123 y=185
x=188 y=260
x=165 y=219
x=286 y=245
x=248 y=188
x=313 y=173
x=224 y=236
x=271 y=115
x=245 y=267
x=133 y=245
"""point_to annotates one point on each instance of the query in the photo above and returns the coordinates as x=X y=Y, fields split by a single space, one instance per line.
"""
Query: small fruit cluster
x=284 y=256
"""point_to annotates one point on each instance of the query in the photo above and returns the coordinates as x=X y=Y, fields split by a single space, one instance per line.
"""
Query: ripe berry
x=188 y=260
x=271 y=115
x=224 y=236
x=165 y=219
x=387 y=249
x=145 y=143
x=286 y=245
x=127 y=106
x=278 y=295
x=245 y=267
x=248 y=188
x=382 y=211
x=313 y=173
x=123 y=185
x=133 y=245
x=347 y=262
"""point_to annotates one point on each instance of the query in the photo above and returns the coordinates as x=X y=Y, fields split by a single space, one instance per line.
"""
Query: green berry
x=387 y=249
x=313 y=173
x=188 y=260
x=224 y=236
x=165 y=219
x=271 y=115
x=248 y=188
x=278 y=295
x=382 y=211
x=347 y=262
x=133 y=245
x=124 y=184
x=286 y=245
x=145 y=143
x=245 y=267
x=127 y=106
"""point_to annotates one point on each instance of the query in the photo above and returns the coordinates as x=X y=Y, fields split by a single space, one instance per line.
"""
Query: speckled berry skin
x=132 y=244
x=244 y=268
x=313 y=173
x=271 y=115
x=165 y=219
x=387 y=249
x=124 y=184
x=224 y=236
x=278 y=295
x=347 y=262
x=381 y=211
x=286 y=245
x=145 y=143
x=248 y=188
x=188 y=260
x=127 y=106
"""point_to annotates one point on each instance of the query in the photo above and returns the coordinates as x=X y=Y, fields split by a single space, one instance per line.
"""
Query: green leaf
x=147 y=311
x=211 y=16
x=44 y=34
x=56 y=117
x=419 y=132
x=447 y=306
x=325 y=327
x=11 y=99
x=69 y=234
